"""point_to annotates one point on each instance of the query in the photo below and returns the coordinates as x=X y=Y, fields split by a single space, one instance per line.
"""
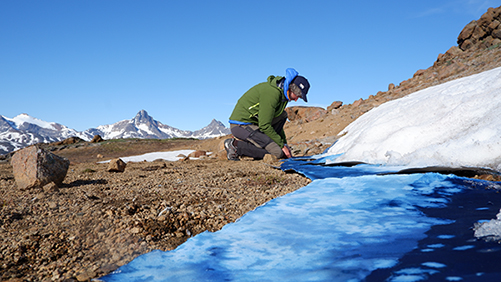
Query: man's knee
x=275 y=150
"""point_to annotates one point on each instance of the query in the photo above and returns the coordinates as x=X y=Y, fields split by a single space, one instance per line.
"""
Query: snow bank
x=457 y=123
x=149 y=157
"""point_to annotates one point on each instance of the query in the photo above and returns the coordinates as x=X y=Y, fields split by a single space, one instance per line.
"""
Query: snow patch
x=149 y=157
x=25 y=118
x=455 y=124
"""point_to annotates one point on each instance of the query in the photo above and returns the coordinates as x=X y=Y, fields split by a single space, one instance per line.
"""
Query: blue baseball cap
x=302 y=83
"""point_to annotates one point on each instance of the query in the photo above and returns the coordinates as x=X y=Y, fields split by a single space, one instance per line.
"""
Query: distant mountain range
x=24 y=130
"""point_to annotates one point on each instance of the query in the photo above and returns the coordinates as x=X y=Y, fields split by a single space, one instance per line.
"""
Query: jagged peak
x=143 y=117
x=215 y=122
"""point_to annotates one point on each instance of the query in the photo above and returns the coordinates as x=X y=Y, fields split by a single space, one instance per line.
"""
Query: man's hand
x=287 y=151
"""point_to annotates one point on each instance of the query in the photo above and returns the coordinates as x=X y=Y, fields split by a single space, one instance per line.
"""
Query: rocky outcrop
x=35 y=167
x=96 y=139
x=334 y=106
x=305 y=114
x=482 y=33
x=67 y=141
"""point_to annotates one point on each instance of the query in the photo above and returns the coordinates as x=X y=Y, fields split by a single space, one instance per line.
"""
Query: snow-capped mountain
x=214 y=129
x=141 y=126
x=24 y=130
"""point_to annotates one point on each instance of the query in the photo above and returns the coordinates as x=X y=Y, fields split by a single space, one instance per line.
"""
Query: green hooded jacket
x=259 y=105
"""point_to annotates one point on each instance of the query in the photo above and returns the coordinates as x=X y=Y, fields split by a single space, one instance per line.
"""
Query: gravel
x=97 y=220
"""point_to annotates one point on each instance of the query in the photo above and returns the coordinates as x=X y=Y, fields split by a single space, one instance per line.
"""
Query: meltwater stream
x=349 y=224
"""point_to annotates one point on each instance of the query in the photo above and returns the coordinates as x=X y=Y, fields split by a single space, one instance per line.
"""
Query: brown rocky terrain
x=98 y=220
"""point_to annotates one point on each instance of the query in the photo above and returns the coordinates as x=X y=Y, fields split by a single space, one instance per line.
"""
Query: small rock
x=117 y=165
x=357 y=103
x=270 y=159
x=53 y=205
x=197 y=154
x=107 y=268
x=184 y=159
x=51 y=187
x=85 y=275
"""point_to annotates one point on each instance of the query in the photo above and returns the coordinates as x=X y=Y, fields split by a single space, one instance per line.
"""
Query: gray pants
x=254 y=143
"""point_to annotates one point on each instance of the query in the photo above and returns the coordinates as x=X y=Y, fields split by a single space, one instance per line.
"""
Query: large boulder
x=36 y=167
x=483 y=33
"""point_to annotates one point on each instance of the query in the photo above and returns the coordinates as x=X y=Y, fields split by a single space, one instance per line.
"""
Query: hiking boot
x=231 y=150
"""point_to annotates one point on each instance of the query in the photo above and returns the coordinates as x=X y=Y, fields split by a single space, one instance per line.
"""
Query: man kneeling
x=258 y=120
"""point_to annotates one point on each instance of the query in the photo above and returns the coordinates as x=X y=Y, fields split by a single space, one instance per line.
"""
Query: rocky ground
x=97 y=220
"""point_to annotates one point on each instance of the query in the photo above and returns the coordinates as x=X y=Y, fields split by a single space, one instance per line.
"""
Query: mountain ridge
x=24 y=130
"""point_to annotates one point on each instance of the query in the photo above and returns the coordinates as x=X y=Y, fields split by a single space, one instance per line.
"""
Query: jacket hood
x=274 y=80
x=290 y=74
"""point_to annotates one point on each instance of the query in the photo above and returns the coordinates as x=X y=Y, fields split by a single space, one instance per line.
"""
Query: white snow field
x=457 y=123
x=171 y=156
x=355 y=224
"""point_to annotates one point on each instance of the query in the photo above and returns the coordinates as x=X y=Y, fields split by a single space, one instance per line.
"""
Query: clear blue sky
x=89 y=63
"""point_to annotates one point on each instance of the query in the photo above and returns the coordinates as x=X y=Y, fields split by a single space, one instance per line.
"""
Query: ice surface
x=457 y=123
x=491 y=228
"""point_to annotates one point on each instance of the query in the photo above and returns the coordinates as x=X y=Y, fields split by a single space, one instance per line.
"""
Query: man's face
x=292 y=96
